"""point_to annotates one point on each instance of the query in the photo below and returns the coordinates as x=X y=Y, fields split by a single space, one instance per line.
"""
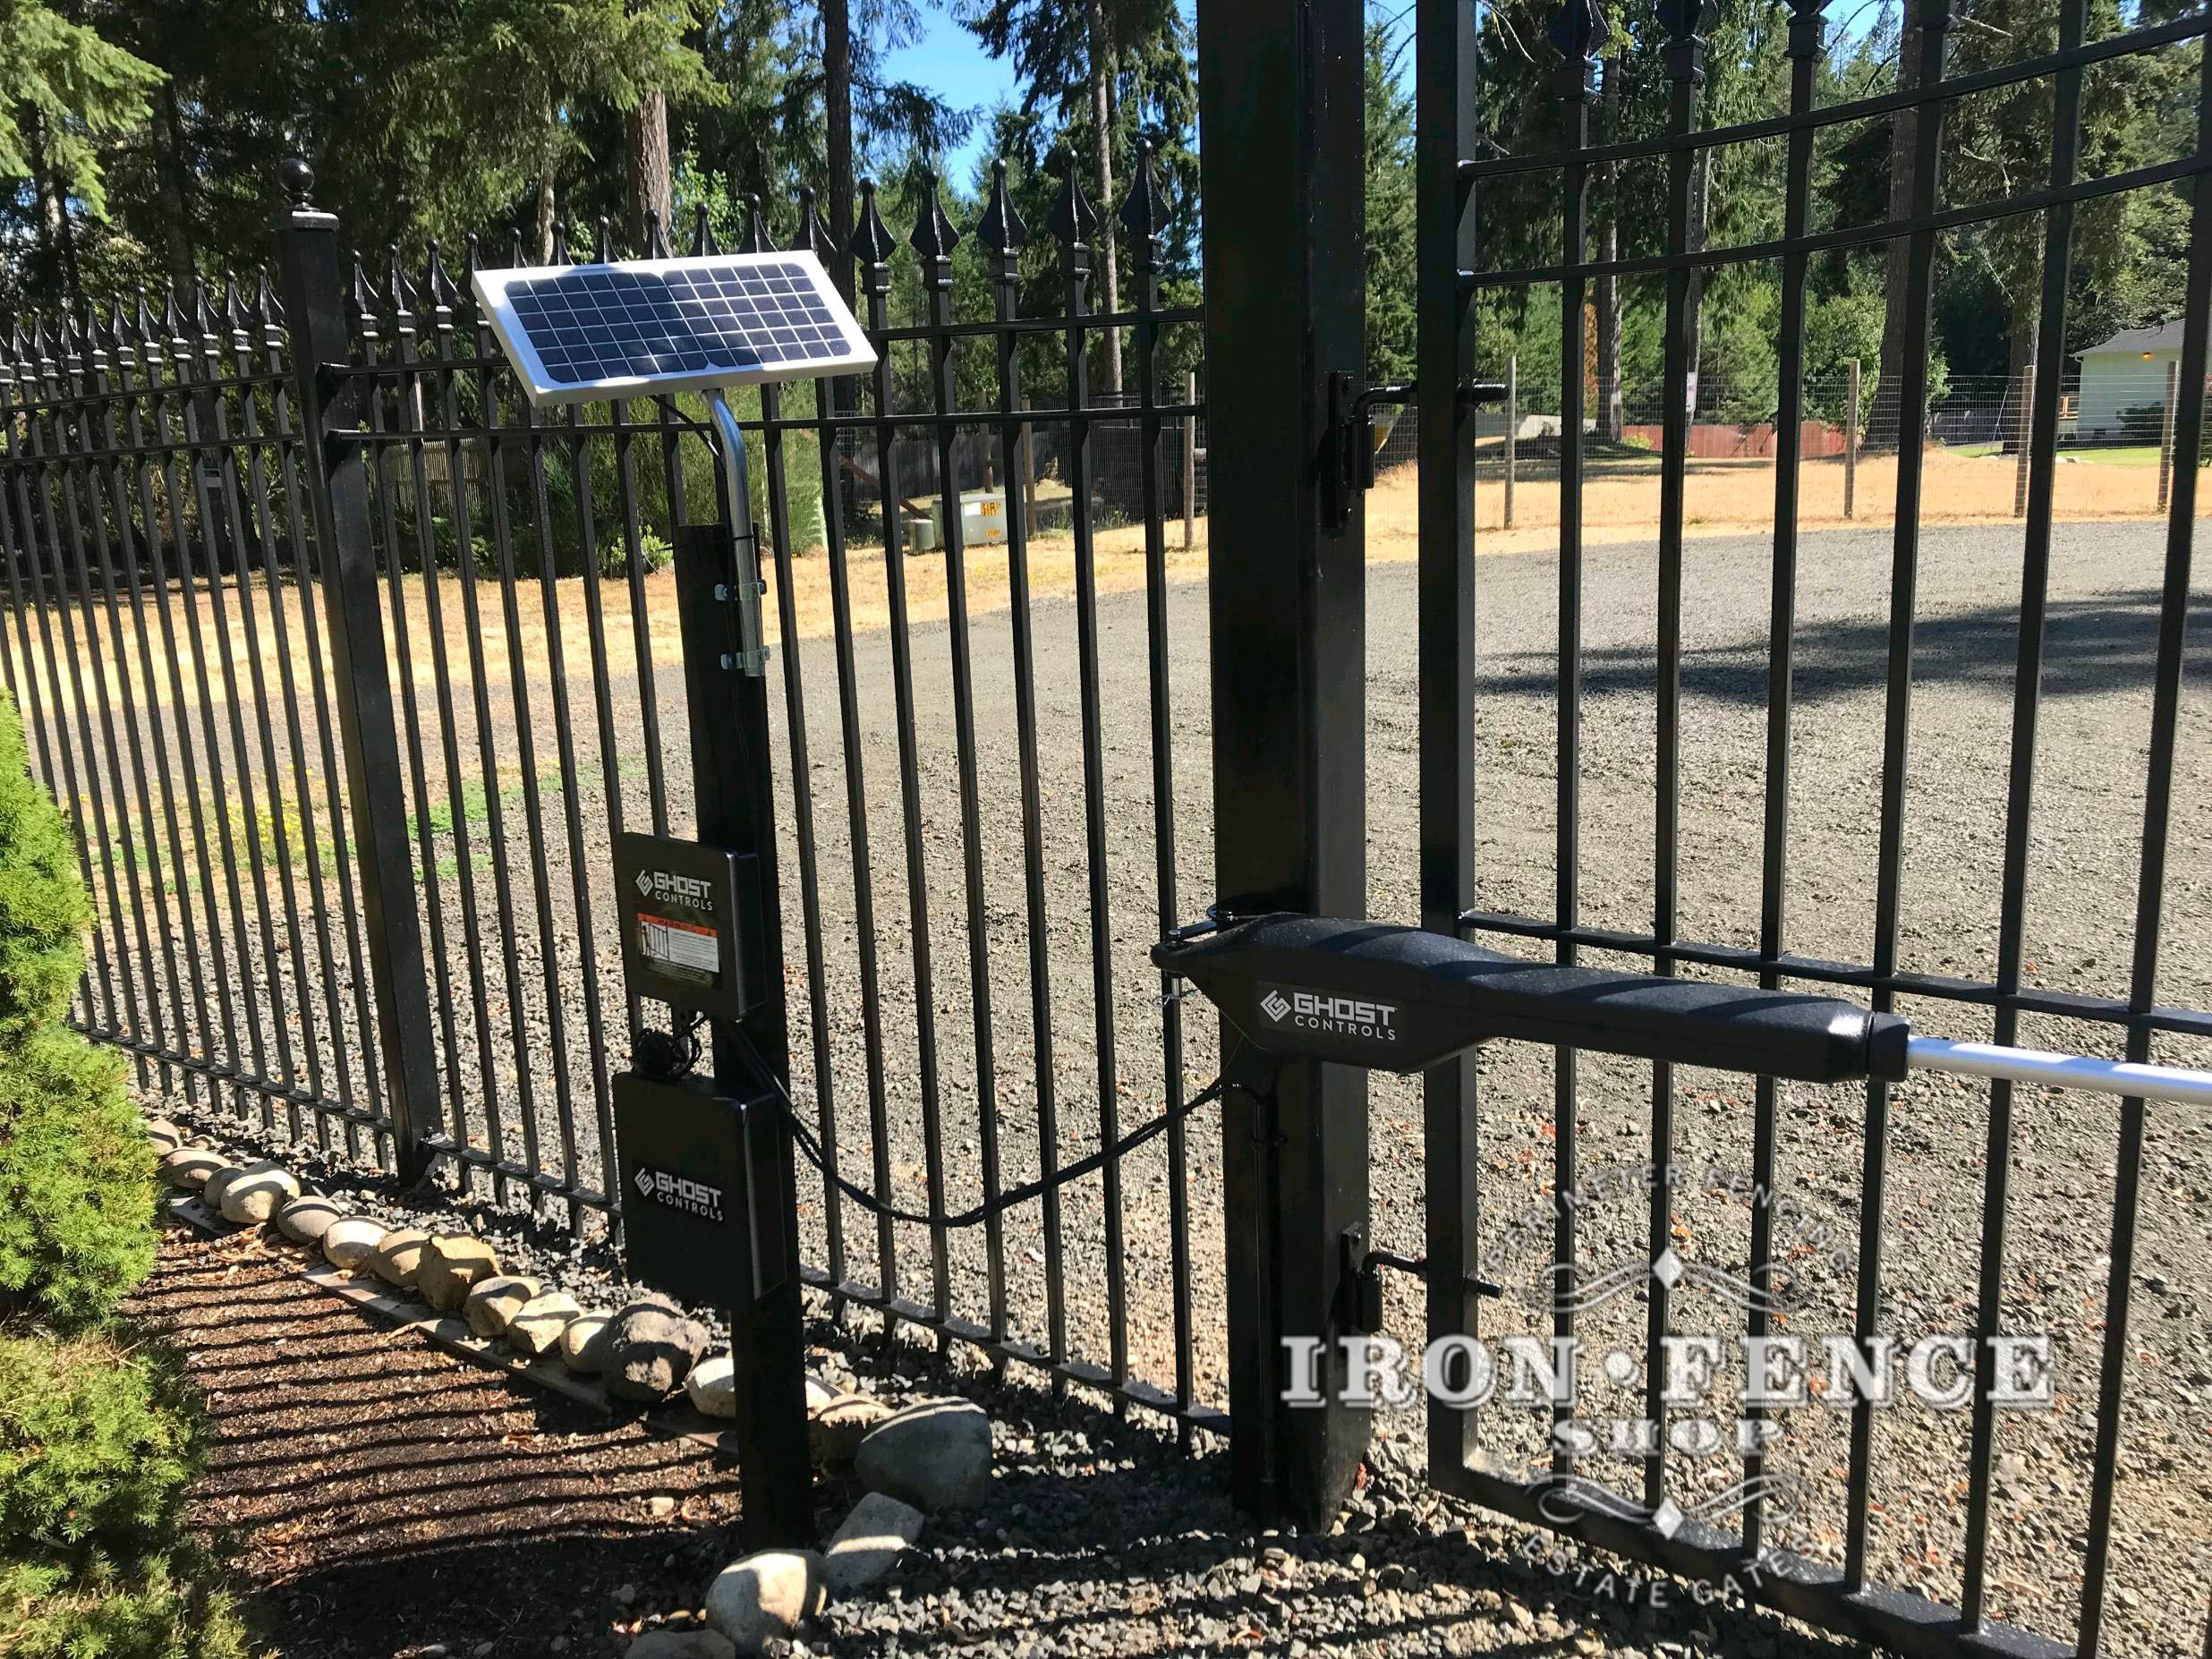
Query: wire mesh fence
x=2116 y=429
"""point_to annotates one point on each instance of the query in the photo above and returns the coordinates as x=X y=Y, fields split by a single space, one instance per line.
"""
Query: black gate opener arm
x=1401 y=998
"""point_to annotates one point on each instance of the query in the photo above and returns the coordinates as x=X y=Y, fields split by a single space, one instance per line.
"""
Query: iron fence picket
x=827 y=393
x=873 y=248
x=499 y=438
x=1683 y=21
x=1003 y=235
x=185 y=460
x=783 y=554
x=55 y=612
x=1807 y=27
x=131 y=357
x=212 y=413
x=101 y=360
x=160 y=386
x=85 y=479
x=32 y=514
x=933 y=240
x=2189 y=435
x=264 y=529
x=1144 y=216
x=1073 y=224
x=572 y=823
x=2019 y=800
x=1585 y=36
x=445 y=303
x=1897 y=715
x=478 y=369
x=610 y=775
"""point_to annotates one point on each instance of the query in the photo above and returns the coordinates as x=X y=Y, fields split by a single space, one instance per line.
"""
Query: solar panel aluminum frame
x=495 y=299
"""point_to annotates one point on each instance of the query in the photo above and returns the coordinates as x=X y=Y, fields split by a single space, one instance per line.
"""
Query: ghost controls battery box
x=702 y=1190
x=690 y=923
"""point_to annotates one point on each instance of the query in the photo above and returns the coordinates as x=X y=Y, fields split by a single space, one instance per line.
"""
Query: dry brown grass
x=1728 y=498
x=1731 y=497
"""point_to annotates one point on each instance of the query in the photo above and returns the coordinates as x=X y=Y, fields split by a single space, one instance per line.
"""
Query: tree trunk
x=1103 y=144
x=1885 y=421
x=1612 y=414
x=1700 y=208
x=174 y=171
x=545 y=183
x=52 y=196
x=837 y=65
x=651 y=187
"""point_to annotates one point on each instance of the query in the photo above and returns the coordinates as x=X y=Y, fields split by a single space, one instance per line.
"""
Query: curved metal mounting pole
x=752 y=655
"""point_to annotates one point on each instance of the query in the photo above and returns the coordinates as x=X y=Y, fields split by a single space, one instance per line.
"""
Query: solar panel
x=582 y=333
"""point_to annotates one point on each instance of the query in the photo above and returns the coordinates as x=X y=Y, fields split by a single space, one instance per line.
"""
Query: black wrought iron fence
x=350 y=665
x=1850 y=1482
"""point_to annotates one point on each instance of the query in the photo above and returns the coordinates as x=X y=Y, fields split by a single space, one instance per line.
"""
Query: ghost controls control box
x=691 y=932
x=702 y=1189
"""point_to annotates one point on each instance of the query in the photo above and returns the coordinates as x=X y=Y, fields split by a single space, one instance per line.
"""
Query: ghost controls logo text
x=668 y=887
x=1333 y=1016
x=680 y=1192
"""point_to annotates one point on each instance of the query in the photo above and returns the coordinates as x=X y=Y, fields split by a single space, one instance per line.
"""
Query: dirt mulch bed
x=383 y=1500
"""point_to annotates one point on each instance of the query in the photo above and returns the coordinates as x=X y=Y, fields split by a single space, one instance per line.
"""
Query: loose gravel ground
x=2080 y=925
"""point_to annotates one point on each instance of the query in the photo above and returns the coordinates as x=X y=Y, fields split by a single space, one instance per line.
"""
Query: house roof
x=2164 y=337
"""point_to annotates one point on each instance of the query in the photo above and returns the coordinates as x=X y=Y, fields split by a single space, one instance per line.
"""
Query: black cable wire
x=804 y=1138
x=806 y=1143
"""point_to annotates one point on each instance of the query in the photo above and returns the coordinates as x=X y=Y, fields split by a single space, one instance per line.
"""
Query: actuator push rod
x=2137 y=1078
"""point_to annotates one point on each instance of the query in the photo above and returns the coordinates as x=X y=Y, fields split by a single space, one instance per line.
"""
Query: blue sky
x=949 y=61
x=952 y=63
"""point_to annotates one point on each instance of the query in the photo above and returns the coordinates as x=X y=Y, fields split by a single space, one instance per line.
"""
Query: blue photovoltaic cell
x=606 y=322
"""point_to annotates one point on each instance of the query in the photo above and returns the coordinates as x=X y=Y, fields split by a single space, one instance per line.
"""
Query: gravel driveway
x=2095 y=725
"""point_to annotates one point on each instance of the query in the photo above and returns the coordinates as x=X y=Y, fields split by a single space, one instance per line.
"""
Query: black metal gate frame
x=1451 y=175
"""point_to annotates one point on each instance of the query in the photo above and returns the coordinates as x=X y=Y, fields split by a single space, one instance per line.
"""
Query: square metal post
x=1280 y=94
x=735 y=797
x=338 y=475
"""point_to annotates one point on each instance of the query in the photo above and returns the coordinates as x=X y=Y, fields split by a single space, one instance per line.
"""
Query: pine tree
x=1391 y=215
x=62 y=89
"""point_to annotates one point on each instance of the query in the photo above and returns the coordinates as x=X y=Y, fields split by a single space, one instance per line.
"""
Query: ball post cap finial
x=297 y=178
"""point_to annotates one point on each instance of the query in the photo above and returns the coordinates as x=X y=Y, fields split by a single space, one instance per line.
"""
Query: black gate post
x=735 y=797
x=1280 y=87
x=307 y=252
